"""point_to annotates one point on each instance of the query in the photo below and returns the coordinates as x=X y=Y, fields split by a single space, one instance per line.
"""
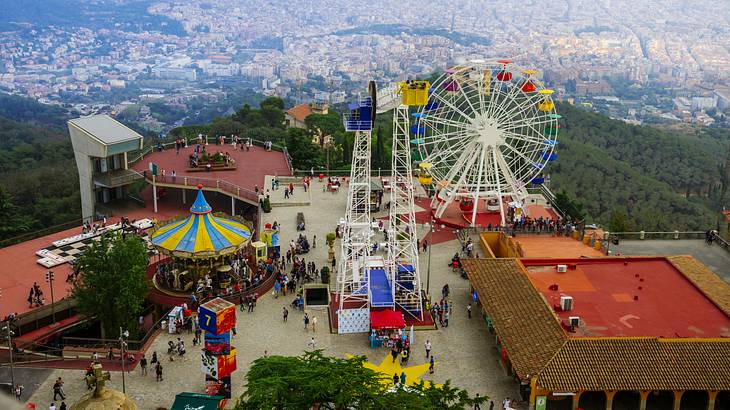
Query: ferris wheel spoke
x=453 y=107
x=432 y=121
x=509 y=176
x=520 y=109
x=526 y=138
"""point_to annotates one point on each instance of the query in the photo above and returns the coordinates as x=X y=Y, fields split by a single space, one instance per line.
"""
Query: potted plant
x=266 y=205
x=330 y=238
x=325 y=274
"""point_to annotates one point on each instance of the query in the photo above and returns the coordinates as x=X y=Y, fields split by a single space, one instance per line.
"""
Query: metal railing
x=194 y=182
x=116 y=177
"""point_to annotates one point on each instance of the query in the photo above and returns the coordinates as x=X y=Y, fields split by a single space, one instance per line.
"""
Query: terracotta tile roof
x=714 y=288
x=527 y=327
x=537 y=345
x=639 y=364
x=300 y=112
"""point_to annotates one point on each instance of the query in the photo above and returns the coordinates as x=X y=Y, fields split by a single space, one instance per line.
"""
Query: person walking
x=63 y=406
x=430 y=365
x=311 y=343
x=143 y=365
x=396 y=379
x=446 y=318
x=19 y=392
x=58 y=389
x=285 y=314
x=477 y=406
x=425 y=245
x=403 y=378
x=52 y=406
x=394 y=353
x=158 y=371
x=306 y=321
x=468 y=310
x=314 y=323
x=154 y=358
x=427 y=345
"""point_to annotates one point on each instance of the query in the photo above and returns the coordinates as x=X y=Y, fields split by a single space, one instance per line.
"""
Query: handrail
x=193 y=182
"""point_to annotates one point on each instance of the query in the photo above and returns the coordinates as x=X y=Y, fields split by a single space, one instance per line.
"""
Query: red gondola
x=466 y=205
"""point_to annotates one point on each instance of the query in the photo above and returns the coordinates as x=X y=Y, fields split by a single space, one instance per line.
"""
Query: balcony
x=115 y=178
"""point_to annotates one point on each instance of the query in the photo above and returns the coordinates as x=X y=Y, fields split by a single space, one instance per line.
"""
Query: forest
x=622 y=176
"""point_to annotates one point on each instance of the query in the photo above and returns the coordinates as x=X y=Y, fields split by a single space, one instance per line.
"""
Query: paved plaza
x=465 y=351
x=714 y=257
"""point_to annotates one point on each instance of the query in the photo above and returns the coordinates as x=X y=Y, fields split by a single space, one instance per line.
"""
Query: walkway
x=465 y=350
x=714 y=257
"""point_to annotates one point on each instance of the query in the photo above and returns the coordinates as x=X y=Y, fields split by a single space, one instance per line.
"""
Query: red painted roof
x=604 y=292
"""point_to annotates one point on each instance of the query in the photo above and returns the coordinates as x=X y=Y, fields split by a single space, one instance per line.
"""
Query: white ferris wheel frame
x=487 y=138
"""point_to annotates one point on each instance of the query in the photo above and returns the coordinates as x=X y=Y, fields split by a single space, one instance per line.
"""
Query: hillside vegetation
x=624 y=177
x=648 y=178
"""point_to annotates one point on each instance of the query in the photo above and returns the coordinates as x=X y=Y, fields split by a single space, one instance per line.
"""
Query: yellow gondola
x=424 y=175
x=414 y=92
x=547 y=104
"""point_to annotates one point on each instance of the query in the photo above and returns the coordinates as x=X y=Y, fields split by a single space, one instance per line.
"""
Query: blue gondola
x=549 y=156
x=538 y=180
x=360 y=117
x=418 y=129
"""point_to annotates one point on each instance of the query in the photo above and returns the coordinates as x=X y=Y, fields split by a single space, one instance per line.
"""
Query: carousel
x=207 y=253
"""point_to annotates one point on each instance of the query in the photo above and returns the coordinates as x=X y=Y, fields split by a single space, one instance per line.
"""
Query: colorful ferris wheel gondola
x=528 y=86
x=546 y=104
x=424 y=173
x=452 y=83
x=552 y=128
x=504 y=74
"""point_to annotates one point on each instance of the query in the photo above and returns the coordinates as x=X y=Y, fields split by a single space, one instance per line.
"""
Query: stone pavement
x=465 y=351
x=714 y=257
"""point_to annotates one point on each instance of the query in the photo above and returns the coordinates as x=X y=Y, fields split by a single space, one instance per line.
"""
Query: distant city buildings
x=326 y=51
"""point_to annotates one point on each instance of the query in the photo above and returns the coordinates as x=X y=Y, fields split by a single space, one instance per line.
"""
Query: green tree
x=12 y=221
x=304 y=154
x=618 y=222
x=315 y=380
x=274 y=102
x=113 y=285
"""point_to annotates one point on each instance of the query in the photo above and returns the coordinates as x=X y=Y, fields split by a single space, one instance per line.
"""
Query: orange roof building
x=295 y=116
x=636 y=333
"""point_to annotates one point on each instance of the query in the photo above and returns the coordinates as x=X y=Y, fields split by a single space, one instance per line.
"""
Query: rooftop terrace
x=629 y=297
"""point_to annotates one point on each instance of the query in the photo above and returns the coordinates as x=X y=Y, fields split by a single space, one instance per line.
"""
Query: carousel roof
x=201 y=233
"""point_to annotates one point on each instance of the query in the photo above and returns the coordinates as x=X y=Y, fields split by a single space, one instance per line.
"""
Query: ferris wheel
x=486 y=134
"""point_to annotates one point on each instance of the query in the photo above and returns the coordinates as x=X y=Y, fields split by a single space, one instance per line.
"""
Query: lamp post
x=50 y=278
x=8 y=334
x=428 y=269
x=123 y=335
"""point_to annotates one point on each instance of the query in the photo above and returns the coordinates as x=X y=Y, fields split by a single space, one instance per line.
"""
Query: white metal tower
x=402 y=245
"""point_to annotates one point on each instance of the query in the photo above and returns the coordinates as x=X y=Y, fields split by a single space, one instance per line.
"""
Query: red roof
x=387 y=319
x=300 y=112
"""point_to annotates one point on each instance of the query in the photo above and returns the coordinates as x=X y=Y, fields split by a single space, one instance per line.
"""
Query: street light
x=123 y=335
x=50 y=278
x=9 y=336
x=430 y=245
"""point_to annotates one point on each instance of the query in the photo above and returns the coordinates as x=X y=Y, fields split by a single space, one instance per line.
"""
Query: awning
x=196 y=401
x=387 y=319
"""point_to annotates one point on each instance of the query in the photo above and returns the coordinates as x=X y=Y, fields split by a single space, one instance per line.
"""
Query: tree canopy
x=113 y=285
x=285 y=382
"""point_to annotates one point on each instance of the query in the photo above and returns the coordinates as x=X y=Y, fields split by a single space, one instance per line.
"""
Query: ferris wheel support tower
x=402 y=234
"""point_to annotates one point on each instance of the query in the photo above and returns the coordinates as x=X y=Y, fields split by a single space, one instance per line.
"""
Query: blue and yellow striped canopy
x=201 y=234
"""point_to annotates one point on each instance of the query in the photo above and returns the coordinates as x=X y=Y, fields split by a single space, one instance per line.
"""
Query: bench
x=214 y=167
x=300 y=221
